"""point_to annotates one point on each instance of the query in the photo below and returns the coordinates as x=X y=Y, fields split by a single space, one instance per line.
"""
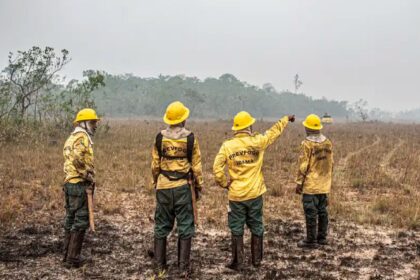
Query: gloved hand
x=299 y=189
x=90 y=177
x=291 y=118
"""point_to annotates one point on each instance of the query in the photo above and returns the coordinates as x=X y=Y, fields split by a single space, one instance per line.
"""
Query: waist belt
x=174 y=175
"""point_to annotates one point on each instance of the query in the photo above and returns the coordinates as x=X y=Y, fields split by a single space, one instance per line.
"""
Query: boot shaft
x=237 y=252
x=184 y=251
x=160 y=252
x=74 y=249
x=256 y=249
x=66 y=244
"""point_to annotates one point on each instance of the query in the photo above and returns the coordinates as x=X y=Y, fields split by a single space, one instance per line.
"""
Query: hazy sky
x=342 y=49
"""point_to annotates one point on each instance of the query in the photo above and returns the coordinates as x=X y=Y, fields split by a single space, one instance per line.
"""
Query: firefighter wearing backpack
x=314 y=181
x=244 y=154
x=175 y=156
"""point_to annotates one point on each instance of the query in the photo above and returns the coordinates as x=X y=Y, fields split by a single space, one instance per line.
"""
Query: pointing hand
x=291 y=118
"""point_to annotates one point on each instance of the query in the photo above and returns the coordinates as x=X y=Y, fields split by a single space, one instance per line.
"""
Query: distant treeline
x=131 y=96
x=411 y=115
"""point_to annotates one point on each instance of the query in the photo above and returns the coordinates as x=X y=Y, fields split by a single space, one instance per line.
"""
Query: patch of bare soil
x=119 y=251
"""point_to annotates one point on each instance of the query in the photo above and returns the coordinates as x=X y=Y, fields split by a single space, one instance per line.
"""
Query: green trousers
x=249 y=212
x=77 y=212
x=171 y=204
x=315 y=207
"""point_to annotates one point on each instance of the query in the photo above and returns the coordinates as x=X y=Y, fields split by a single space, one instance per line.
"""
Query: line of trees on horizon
x=33 y=94
x=220 y=98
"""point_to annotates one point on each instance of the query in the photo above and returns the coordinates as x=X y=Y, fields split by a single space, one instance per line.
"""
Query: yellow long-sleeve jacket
x=78 y=157
x=174 y=143
x=244 y=156
x=315 y=165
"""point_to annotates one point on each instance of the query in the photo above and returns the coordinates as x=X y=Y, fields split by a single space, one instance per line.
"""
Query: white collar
x=81 y=129
x=318 y=138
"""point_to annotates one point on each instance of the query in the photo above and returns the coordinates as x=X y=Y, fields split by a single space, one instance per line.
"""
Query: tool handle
x=194 y=199
x=90 y=206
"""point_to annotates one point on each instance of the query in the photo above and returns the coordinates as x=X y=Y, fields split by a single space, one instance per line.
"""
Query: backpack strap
x=158 y=143
x=174 y=175
x=190 y=146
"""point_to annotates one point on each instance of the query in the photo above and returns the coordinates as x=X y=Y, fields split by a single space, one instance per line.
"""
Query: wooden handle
x=90 y=206
x=194 y=202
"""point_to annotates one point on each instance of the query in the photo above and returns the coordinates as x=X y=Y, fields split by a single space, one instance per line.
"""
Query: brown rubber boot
x=66 y=245
x=237 y=253
x=74 y=259
x=184 y=251
x=160 y=253
x=256 y=250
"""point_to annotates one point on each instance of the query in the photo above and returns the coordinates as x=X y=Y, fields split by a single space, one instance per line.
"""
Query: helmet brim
x=236 y=128
x=311 y=126
x=177 y=121
x=86 y=119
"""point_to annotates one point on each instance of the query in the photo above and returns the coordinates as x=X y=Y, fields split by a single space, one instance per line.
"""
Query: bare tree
x=360 y=109
x=298 y=83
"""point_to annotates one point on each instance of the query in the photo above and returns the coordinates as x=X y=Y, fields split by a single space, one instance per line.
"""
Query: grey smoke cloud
x=342 y=50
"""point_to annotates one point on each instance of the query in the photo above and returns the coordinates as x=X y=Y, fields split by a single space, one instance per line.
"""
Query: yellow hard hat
x=176 y=113
x=242 y=120
x=86 y=114
x=313 y=122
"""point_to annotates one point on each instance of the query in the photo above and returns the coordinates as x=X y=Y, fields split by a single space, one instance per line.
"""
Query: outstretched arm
x=275 y=131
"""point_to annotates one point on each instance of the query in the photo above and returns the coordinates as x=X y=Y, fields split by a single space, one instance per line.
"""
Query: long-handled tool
x=191 y=182
x=90 y=206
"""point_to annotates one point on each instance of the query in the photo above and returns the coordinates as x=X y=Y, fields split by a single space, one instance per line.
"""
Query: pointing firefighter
x=244 y=154
x=314 y=181
x=176 y=164
x=79 y=180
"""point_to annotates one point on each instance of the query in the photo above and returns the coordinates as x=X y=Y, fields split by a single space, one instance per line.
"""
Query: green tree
x=27 y=74
x=62 y=104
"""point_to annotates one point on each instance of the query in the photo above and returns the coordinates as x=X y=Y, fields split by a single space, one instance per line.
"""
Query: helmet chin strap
x=86 y=126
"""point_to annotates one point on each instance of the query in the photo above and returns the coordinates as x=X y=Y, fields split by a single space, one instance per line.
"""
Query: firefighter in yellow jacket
x=243 y=154
x=314 y=181
x=176 y=161
x=79 y=176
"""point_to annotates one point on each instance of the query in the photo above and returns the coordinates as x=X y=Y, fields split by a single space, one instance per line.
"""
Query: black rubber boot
x=160 y=253
x=66 y=245
x=307 y=244
x=184 y=251
x=310 y=241
x=74 y=259
x=322 y=227
x=237 y=253
x=256 y=250
x=323 y=242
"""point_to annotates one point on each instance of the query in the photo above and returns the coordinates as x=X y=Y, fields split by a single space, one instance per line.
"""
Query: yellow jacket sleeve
x=82 y=158
x=303 y=163
x=219 y=167
x=155 y=165
x=274 y=132
x=196 y=164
